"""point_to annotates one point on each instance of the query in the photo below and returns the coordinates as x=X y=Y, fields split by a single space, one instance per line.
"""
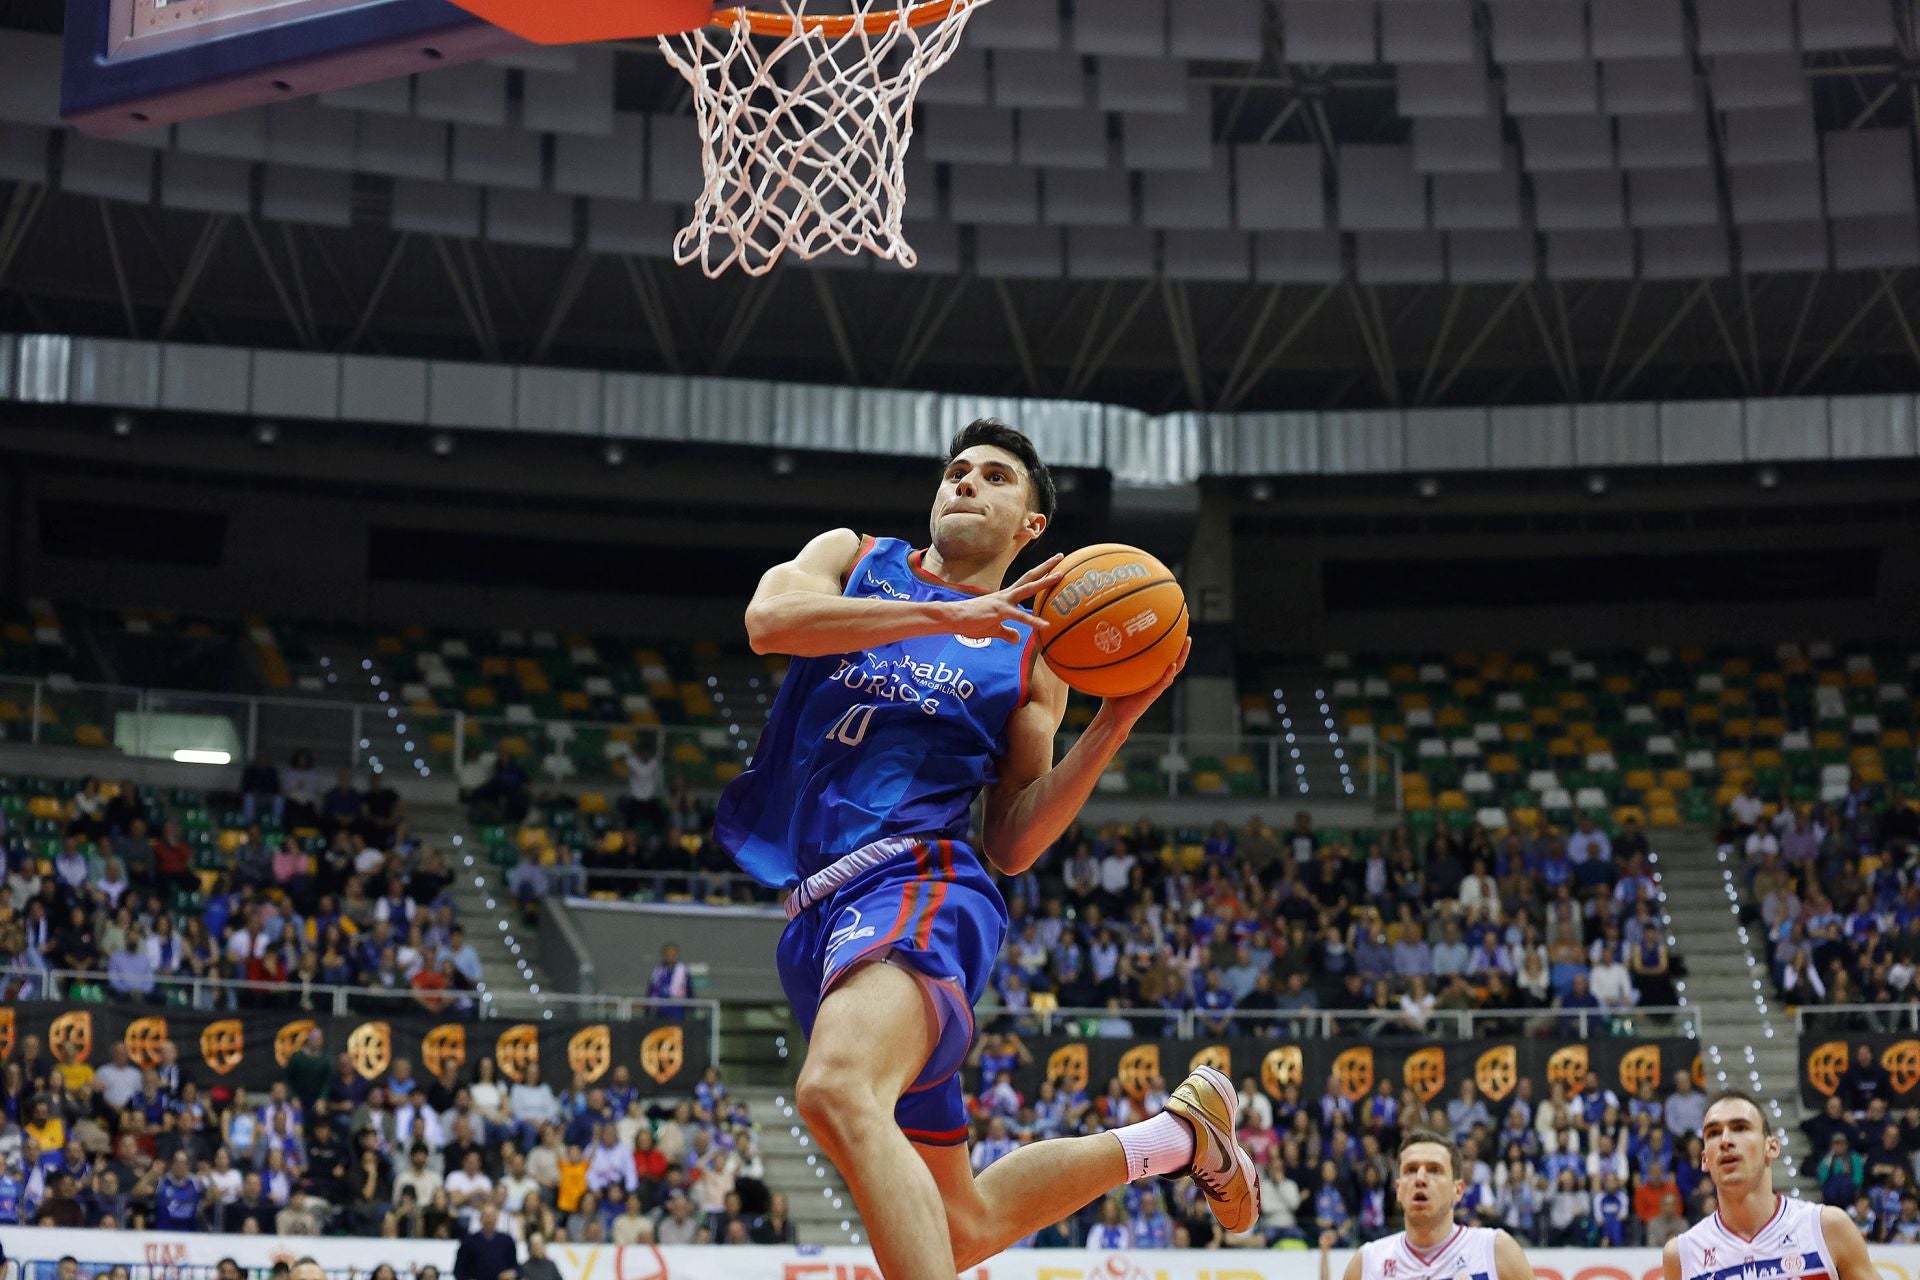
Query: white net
x=805 y=130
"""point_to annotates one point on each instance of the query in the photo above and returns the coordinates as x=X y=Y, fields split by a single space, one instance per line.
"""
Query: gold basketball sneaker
x=1207 y=1101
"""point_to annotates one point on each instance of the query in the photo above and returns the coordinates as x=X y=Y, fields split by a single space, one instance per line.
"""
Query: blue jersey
x=896 y=740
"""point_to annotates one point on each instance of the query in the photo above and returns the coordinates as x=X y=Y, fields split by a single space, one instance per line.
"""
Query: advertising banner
x=578 y=1262
x=1824 y=1061
x=252 y=1050
x=1358 y=1066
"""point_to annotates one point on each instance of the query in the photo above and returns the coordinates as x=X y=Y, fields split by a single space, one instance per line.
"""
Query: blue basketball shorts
x=931 y=908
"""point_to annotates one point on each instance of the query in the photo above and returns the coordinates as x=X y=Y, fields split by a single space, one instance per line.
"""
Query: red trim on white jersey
x=1779 y=1207
x=1428 y=1259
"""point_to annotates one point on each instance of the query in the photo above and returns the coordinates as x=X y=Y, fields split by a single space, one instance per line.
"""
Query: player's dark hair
x=992 y=431
x=1418 y=1137
x=1741 y=1095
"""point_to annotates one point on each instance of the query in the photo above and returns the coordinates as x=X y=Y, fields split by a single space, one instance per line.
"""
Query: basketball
x=1119 y=619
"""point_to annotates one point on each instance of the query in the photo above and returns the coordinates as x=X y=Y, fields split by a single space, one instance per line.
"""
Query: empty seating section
x=1662 y=735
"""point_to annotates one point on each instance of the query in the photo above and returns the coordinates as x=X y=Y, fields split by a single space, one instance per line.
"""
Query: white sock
x=1161 y=1145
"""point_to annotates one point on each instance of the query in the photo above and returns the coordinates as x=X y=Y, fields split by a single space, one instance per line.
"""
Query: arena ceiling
x=1237 y=205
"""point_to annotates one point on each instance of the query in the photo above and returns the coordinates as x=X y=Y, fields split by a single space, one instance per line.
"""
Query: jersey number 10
x=851 y=728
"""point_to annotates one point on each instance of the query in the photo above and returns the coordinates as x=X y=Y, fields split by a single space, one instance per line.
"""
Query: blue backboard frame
x=108 y=94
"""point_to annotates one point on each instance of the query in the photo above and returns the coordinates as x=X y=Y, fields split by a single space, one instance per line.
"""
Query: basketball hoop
x=805 y=120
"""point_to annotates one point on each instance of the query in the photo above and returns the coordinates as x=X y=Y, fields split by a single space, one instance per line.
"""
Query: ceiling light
x=615 y=453
x=266 y=434
x=1767 y=478
x=1597 y=484
x=441 y=444
x=783 y=463
x=1428 y=487
x=122 y=425
x=1261 y=491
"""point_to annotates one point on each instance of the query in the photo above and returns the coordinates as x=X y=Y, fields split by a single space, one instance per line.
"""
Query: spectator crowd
x=1836 y=888
x=1253 y=932
x=1863 y=1148
x=326 y=886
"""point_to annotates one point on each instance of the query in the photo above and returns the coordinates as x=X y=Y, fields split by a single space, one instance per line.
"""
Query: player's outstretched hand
x=1327 y=1240
x=1130 y=708
x=986 y=617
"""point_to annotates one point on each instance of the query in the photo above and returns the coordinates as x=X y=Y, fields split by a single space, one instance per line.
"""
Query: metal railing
x=357 y=733
x=1819 y=1018
x=1456 y=1024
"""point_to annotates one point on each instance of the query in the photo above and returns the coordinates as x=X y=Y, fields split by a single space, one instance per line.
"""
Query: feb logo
x=663 y=1053
x=1107 y=638
x=1497 y=1071
x=1825 y=1065
x=975 y=642
x=517 y=1049
x=143 y=1038
x=370 y=1049
x=223 y=1044
x=590 y=1052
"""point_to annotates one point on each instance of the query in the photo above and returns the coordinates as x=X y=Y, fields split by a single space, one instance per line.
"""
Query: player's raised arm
x=799 y=610
x=1844 y=1242
x=1510 y=1260
x=1035 y=799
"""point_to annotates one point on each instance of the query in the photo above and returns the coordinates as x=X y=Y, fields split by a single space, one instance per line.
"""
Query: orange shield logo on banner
x=444 y=1047
x=370 y=1048
x=517 y=1049
x=1138 y=1066
x=1825 y=1066
x=223 y=1044
x=71 y=1037
x=590 y=1052
x=6 y=1032
x=1496 y=1072
x=663 y=1053
x=1068 y=1066
x=1699 y=1073
x=1569 y=1067
x=1282 y=1067
x=287 y=1040
x=1353 y=1073
x=143 y=1039
x=1217 y=1056
x=1640 y=1068
x=1902 y=1062
x=1426 y=1072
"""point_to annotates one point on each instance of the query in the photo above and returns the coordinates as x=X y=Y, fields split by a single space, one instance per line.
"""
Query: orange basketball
x=1118 y=617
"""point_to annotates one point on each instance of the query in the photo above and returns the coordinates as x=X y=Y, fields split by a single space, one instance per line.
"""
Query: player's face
x=1427 y=1186
x=1737 y=1148
x=981 y=506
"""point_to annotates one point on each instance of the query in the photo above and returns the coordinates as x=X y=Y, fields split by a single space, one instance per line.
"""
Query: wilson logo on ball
x=1119 y=621
x=1094 y=583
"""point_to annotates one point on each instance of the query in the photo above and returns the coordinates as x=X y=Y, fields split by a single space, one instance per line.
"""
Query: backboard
x=136 y=64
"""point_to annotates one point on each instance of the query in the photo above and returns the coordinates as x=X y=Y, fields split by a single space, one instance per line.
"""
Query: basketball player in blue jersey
x=1757 y=1233
x=916 y=686
x=1433 y=1246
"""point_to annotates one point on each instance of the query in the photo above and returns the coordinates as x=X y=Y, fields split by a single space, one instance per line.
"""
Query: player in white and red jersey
x=1434 y=1246
x=1759 y=1234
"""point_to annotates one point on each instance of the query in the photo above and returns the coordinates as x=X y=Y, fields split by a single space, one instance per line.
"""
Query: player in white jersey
x=1433 y=1247
x=1758 y=1234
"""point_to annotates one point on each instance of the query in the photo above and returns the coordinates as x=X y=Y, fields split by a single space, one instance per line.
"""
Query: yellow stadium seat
x=1663 y=817
x=494 y=665
x=1863 y=755
x=516 y=744
x=1731 y=758
x=727 y=770
x=1523 y=673
x=687 y=753
x=1829 y=740
x=1625 y=811
x=1896 y=740
x=1657 y=798
x=389 y=646
x=11 y=712
x=1451 y=717
x=1618 y=686
x=46 y=807
x=1524 y=818
x=533 y=837
x=1403 y=673
x=1638 y=780
x=1517 y=732
x=1667 y=699
x=1503 y=762
x=1863 y=679
x=1468 y=687
x=1415 y=702
x=574 y=702
x=1704 y=713
x=1357 y=715
x=1735 y=697
x=1453 y=801
x=1418 y=801
x=1563 y=747
x=229 y=840
x=1770 y=726
x=1573 y=700
x=1768 y=758
x=1738 y=728
x=90 y=735
x=1676 y=779
x=1725 y=794
x=480 y=697
x=535 y=683
x=1240 y=762
x=594 y=802
x=1692 y=656
x=1873 y=774
x=1545 y=715
x=1736 y=667
x=1832 y=679
x=1392 y=733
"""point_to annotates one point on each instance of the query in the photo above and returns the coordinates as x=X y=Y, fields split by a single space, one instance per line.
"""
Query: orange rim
x=785 y=24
